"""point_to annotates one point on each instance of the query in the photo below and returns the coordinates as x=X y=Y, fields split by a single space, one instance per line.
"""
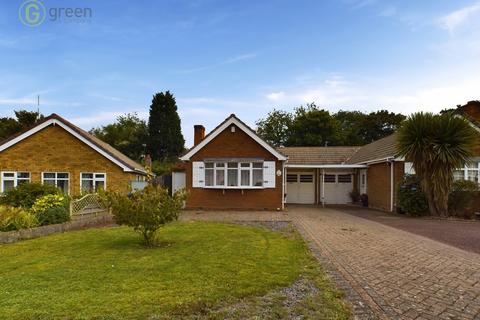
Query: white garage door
x=337 y=188
x=301 y=188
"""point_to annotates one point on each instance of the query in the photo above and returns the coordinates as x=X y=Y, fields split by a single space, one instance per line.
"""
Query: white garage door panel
x=338 y=192
x=300 y=188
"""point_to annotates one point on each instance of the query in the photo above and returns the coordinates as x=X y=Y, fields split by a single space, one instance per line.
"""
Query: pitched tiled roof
x=380 y=149
x=131 y=164
x=318 y=155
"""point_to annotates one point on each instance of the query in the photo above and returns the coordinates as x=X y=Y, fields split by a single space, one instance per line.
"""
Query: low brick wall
x=78 y=222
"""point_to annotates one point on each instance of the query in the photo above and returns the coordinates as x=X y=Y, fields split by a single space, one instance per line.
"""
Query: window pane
x=220 y=177
x=245 y=177
x=292 y=177
x=458 y=175
x=62 y=175
x=87 y=175
x=344 y=178
x=330 y=178
x=232 y=177
x=220 y=165
x=99 y=185
x=8 y=185
x=306 y=178
x=23 y=175
x=233 y=164
x=209 y=177
x=473 y=175
x=99 y=176
x=472 y=165
x=49 y=175
x=22 y=181
x=8 y=175
x=257 y=178
x=50 y=182
x=87 y=185
x=258 y=165
x=245 y=165
x=209 y=165
x=63 y=185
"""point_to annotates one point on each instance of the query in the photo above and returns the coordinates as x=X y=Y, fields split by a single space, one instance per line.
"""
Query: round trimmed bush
x=53 y=215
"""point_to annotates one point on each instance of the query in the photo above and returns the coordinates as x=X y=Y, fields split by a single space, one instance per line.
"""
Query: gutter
x=327 y=166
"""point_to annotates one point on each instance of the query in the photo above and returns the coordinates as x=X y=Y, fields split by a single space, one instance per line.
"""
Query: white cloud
x=459 y=17
x=276 y=96
x=241 y=57
x=397 y=95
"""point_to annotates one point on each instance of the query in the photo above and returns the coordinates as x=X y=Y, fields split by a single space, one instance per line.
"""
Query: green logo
x=32 y=13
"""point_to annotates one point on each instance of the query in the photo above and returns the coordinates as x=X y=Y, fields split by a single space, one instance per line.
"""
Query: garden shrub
x=354 y=196
x=146 y=210
x=16 y=218
x=53 y=215
x=461 y=198
x=26 y=194
x=51 y=209
x=411 y=198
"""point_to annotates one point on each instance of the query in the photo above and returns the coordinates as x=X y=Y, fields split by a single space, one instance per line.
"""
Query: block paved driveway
x=388 y=273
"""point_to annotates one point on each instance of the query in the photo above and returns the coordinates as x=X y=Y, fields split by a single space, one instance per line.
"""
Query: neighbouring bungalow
x=233 y=168
x=57 y=152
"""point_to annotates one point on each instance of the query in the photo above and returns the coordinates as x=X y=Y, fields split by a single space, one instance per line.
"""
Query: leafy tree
x=165 y=135
x=379 y=124
x=275 y=128
x=147 y=210
x=128 y=134
x=437 y=145
x=23 y=120
x=314 y=127
x=351 y=125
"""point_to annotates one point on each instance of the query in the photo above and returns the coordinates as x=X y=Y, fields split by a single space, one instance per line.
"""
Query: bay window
x=233 y=174
x=61 y=180
x=11 y=180
x=91 y=182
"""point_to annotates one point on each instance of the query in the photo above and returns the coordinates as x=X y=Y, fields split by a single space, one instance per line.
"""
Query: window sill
x=233 y=188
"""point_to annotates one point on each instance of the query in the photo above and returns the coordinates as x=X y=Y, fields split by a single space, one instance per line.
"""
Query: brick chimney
x=472 y=109
x=199 y=134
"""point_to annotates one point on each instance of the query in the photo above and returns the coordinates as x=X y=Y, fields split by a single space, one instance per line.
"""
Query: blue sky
x=242 y=57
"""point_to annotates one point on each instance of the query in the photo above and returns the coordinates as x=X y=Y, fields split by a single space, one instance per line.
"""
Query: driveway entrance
x=390 y=273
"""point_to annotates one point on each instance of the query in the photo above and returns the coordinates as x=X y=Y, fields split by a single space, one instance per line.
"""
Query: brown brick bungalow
x=233 y=168
x=59 y=153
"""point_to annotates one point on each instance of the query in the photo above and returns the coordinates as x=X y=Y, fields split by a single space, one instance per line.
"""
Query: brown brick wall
x=378 y=184
x=236 y=145
x=55 y=150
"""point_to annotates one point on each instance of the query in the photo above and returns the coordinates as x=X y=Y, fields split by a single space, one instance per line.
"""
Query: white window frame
x=14 y=178
x=94 y=179
x=239 y=169
x=56 y=179
x=466 y=169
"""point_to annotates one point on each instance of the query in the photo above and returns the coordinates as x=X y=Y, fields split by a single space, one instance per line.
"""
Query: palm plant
x=437 y=145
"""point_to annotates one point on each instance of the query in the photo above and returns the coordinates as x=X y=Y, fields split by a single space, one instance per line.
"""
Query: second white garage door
x=301 y=188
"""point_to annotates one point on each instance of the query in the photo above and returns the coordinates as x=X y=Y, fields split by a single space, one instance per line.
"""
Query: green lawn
x=107 y=274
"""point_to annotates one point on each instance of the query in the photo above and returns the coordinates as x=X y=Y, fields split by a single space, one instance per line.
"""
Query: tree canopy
x=165 y=136
x=312 y=126
x=128 y=134
x=23 y=120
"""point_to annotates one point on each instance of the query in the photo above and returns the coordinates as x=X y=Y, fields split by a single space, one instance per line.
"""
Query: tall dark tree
x=128 y=134
x=165 y=136
x=23 y=120
x=350 y=124
x=314 y=127
x=379 y=124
